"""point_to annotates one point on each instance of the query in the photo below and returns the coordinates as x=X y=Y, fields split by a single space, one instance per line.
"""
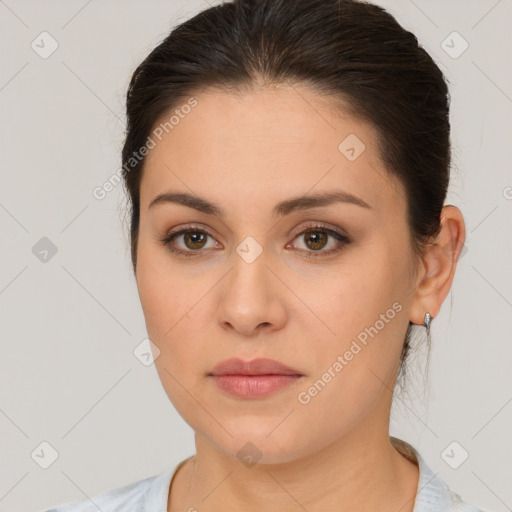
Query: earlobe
x=439 y=261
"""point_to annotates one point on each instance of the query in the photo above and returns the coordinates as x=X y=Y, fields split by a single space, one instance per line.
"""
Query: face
x=322 y=288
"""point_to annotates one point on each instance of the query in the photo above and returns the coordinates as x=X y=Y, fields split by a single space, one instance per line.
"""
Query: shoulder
x=148 y=494
x=436 y=495
x=433 y=494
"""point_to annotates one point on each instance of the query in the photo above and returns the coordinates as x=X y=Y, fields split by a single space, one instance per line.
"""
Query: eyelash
x=314 y=227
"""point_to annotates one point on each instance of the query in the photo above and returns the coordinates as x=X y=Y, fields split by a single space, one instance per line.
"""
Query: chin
x=259 y=441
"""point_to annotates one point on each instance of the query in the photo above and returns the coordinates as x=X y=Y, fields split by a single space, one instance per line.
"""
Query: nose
x=252 y=298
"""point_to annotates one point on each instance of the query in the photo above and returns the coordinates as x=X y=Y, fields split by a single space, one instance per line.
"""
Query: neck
x=358 y=471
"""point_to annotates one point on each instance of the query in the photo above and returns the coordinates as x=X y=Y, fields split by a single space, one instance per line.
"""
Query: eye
x=315 y=238
x=192 y=239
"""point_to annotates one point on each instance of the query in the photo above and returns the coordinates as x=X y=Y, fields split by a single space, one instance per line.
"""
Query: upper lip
x=260 y=366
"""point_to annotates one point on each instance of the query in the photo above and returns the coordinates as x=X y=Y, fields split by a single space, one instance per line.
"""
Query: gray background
x=68 y=375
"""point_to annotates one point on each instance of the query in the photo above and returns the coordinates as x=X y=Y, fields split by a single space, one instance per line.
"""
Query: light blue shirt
x=151 y=494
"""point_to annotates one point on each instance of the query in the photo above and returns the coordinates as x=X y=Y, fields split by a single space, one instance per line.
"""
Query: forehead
x=263 y=146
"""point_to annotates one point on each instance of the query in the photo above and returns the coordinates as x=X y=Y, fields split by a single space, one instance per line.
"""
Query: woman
x=287 y=165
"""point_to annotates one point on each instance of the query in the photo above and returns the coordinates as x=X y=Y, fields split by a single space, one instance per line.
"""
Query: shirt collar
x=432 y=493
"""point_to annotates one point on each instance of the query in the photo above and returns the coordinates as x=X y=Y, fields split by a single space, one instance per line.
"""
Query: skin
x=246 y=153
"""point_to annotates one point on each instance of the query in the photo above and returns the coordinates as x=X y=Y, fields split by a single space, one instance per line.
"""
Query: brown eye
x=194 y=239
x=189 y=241
x=312 y=241
x=316 y=239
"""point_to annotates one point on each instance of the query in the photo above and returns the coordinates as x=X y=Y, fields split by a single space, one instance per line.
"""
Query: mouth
x=261 y=366
x=258 y=378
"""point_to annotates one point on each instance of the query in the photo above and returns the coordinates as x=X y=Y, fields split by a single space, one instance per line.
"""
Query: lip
x=257 y=378
x=260 y=366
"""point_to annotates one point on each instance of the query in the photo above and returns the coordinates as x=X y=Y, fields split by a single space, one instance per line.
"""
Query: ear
x=439 y=262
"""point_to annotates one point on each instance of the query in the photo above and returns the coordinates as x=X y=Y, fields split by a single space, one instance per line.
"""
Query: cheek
x=353 y=371
x=349 y=297
x=360 y=319
x=163 y=293
x=176 y=310
x=168 y=304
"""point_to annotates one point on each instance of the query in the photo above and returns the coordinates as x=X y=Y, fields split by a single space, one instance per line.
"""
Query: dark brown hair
x=348 y=49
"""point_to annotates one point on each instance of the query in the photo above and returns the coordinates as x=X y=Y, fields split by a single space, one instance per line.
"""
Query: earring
x=427 y=321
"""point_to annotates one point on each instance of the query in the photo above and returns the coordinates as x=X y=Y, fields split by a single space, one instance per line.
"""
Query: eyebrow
x=281 y=209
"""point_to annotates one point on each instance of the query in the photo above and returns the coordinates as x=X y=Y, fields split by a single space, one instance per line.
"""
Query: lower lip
x=254 y=386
